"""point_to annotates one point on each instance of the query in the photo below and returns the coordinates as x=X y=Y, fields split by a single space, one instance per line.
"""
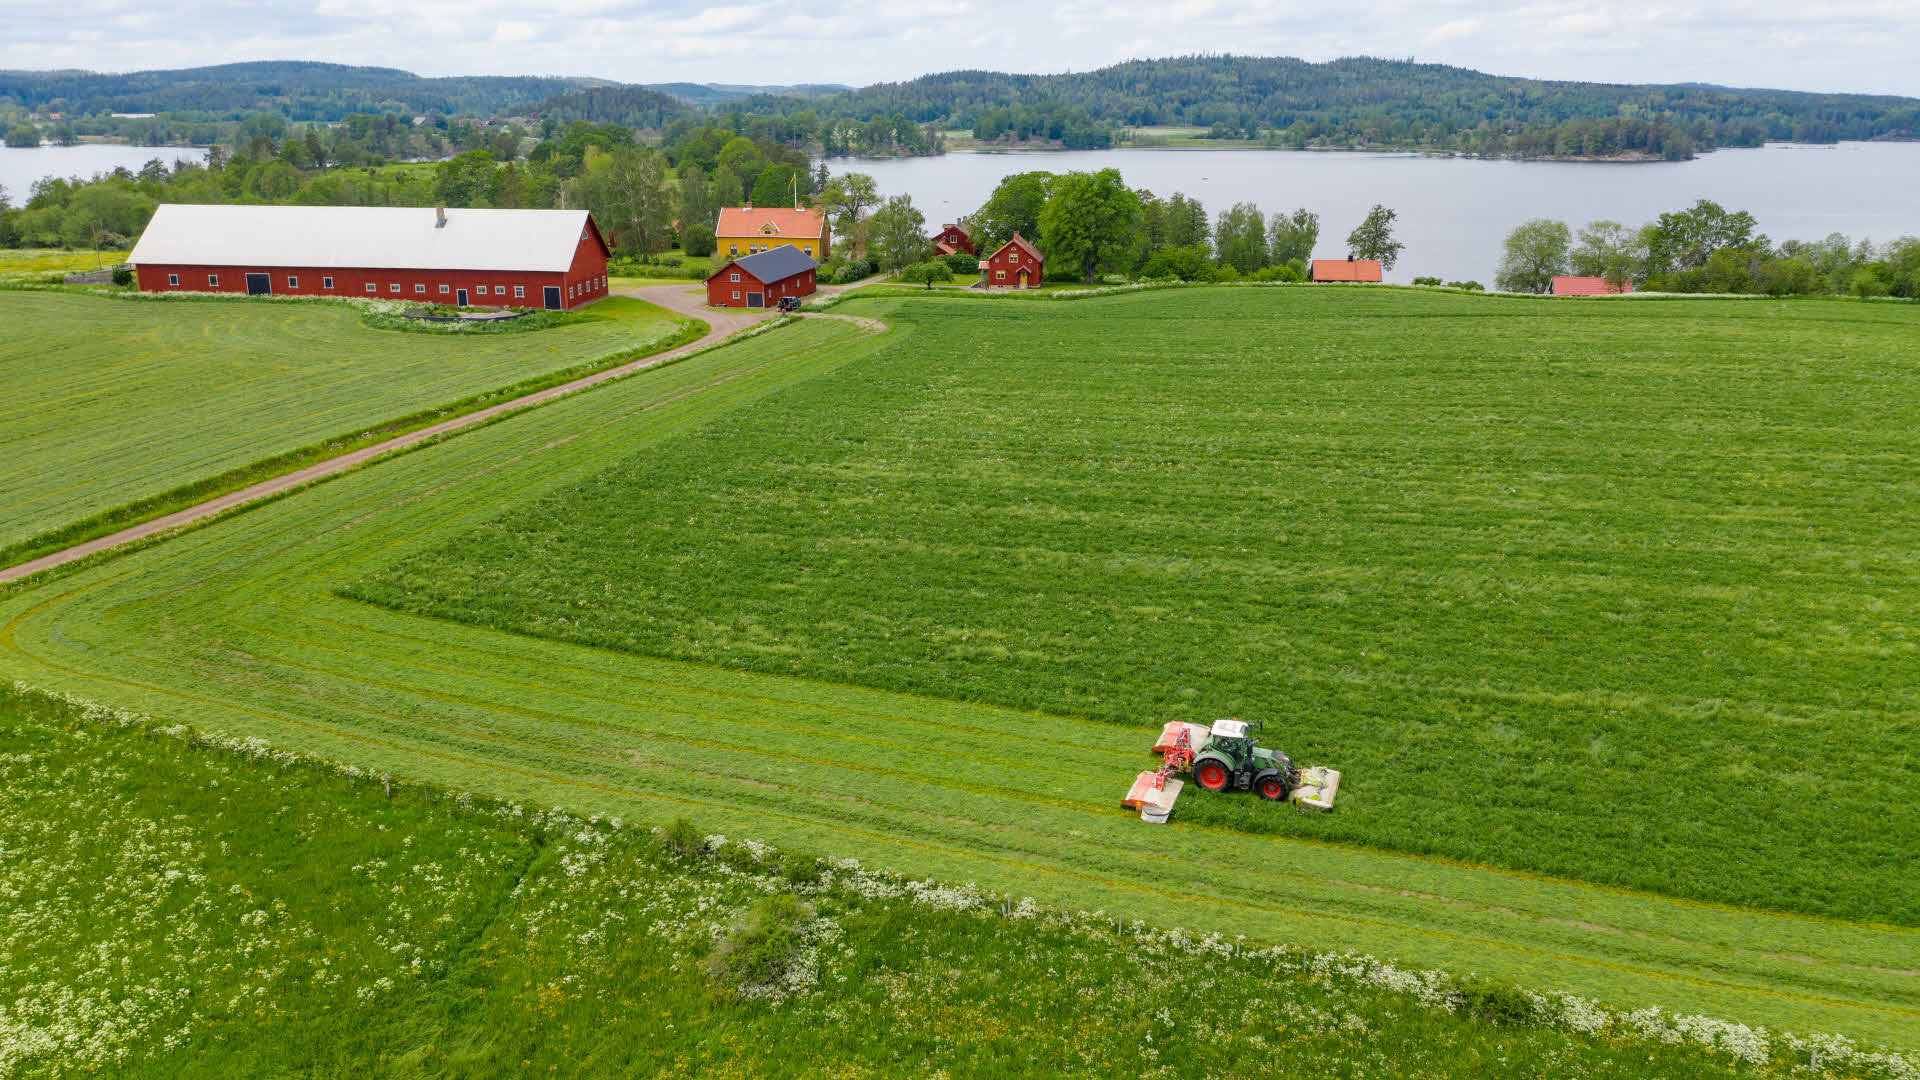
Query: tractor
x=1222 y=757
x=1229 y=760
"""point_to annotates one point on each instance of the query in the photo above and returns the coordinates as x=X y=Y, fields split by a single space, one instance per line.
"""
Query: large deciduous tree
x=1240 y=237
x=1293 y=236
x=626 y=191
x=1687 y=239
x=1089 y=222
x=1607 y=249
x=1535 y=253
x=897 y=233
x=1373 y=238
x=1014 y=207
x=847 y=197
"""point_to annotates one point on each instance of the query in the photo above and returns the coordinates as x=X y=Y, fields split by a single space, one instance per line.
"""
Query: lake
x=20 y=169
x=1455 y=212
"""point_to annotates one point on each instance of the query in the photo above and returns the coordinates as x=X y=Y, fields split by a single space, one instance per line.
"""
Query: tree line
x=1706 y=248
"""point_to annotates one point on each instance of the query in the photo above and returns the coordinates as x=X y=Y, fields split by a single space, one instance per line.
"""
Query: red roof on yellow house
x=770 y=221
x=1345 y=270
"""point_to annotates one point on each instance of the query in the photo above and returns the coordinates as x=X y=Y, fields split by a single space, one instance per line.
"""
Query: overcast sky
x=1852 y=45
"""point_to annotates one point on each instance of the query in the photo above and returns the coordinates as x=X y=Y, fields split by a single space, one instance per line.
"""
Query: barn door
x=259 y=284
x=553 y=298
x=460 y=297
x=755 y=299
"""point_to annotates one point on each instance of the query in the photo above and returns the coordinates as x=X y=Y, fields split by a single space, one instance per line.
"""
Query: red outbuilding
x=464 y=258
x=763 y=279
x=1017 y=265
x=952 y=239
x=1587 y=286
x=1363 y=270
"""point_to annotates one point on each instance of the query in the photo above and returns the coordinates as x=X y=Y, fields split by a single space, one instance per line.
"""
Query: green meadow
x=214 y=910
x=1614 y=592
x=109 y=402
x=1383 y=520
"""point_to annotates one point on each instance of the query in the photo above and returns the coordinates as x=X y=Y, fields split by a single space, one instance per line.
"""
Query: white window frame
x=393 y=287
x=173 y=280
x=293 y=281
x=445 y=289
x=733 y=249
x=999 y=275
x=326 y=282
x=733 y=277
x=213 y=281
x=371 y=287
x=519 y=291
x=419 y=290
x=736 y=294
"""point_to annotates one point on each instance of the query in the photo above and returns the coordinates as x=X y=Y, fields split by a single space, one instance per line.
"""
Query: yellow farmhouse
x=743 y=230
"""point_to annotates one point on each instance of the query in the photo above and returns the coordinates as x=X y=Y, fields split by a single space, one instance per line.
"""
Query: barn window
x=393 y=287
x=733 y=249
x=418 y=289
x=733 y=277
x=293 y=282
x=1000 y=275
x=326 y=283
x=519 y=291
x=173 y=279
x=444 y=289
x=370 y=286
x=736 y=294
x=213 y=281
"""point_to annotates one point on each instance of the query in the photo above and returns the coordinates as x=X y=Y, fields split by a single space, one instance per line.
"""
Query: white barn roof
x=376 y=237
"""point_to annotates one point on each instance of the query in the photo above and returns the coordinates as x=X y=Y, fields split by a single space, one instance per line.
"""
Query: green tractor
x=1230 y=761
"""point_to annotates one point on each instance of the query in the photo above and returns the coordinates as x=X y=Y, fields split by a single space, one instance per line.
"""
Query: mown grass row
x=237 y=626
x=213 y=909
x=114 y=412
x=1602 y=592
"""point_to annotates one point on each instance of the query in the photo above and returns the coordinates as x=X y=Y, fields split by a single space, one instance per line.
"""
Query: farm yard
x=106 y=402
x=1601 y=607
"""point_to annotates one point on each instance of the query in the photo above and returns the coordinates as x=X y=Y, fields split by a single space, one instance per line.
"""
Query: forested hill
x=1362 y=99
x=297 y=90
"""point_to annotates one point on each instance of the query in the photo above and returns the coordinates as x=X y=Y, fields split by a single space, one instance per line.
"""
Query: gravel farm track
x=238 y=626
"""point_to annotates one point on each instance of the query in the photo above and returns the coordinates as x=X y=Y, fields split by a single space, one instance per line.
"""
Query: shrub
x=756 y=957
x=1501 y=1006
x=698 y=241
x=123 y=274
x=1426 y=281
x=682 y=837
x=1470 y=286
x=1184 y=263
x=799 y=869
x=930 y=273
x=962 y=263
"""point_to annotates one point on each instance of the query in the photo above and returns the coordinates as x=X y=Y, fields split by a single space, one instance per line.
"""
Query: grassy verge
x=185 y=495
x=216 y=908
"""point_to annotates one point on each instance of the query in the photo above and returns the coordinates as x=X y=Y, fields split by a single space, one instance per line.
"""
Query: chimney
x=749 y=205
x=440 y=216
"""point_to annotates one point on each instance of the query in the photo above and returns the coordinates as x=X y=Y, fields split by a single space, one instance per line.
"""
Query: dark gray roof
x=777 y=263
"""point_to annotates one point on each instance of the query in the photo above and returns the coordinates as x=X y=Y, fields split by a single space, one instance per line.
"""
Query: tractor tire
x=1271 y=788
x=1211 y=775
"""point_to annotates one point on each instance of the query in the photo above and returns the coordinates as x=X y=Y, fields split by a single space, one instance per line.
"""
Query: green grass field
x=1616 y=594
x=46 y=260
x=107 y=402
x=209 y=912
x=242 y=626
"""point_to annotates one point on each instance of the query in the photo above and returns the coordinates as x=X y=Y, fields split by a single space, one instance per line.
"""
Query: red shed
x=480 y=258
x=763 y=279
x=1345 y=270
x=952 y=239
x=1587 y=286
x=1017 y=265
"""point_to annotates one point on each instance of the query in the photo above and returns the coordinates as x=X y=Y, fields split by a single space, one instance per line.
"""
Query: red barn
x=1587 y=286
x=761 y=280
x=1346 y=270
x=481 y=258
x=953 y=239
x=1017 y=265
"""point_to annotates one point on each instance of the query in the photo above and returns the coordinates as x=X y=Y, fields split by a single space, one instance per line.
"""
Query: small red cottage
x=1346 y=270
x=953 y=239
x=1587 y=286
x=481 y=258
x=761 y=280
x=1017 y=265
